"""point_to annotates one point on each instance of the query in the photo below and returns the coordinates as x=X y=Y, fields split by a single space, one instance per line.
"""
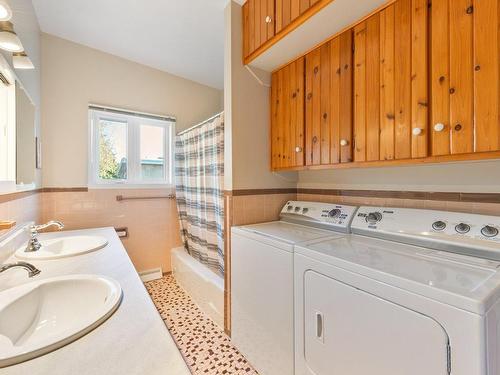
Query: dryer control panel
x=321 y=215
x=469 y=234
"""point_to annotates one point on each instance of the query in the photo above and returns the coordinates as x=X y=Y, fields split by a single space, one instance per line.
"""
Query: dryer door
x=349 y=331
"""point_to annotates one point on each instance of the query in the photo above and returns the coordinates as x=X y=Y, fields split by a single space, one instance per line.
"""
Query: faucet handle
x=36 y=228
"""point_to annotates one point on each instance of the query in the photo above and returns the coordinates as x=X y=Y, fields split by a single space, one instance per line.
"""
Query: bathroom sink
x=62 y=247
x=39 y=317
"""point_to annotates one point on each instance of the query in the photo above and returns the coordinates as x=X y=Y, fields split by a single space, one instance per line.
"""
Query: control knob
x=439 y=225
x=334 y=213
x=462 y=228
x=373 y=217
x=489 y=231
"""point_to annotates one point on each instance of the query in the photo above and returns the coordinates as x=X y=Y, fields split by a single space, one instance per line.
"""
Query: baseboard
x=150 y=275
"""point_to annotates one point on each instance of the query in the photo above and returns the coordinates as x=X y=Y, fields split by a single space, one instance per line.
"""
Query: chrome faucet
x=32 y=270
x=33 y=244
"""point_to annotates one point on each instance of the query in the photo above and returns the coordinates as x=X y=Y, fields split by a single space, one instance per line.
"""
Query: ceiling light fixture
x=20 y=60
x=9 y=40
x=5 y=11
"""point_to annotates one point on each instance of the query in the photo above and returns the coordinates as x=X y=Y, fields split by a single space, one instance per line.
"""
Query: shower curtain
x=199 y=174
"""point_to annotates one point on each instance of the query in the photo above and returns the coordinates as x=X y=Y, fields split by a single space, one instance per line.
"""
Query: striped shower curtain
x=199 y=174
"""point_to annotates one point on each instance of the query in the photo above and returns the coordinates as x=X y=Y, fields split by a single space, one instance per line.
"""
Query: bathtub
x=204 y=286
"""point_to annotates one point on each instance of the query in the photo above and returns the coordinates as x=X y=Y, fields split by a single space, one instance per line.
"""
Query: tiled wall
x=250 y=209
x=152 y=223
x=21 y=210
x=469 y=207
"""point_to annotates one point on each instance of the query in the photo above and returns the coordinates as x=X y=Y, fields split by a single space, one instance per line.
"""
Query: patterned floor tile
x=205 y=347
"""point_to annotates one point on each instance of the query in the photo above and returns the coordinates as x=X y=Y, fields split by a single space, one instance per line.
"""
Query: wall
x=478 y=177
x=74 y=76
x=247 y=119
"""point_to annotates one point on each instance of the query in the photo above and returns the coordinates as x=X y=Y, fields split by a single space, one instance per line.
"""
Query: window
x=129 y=148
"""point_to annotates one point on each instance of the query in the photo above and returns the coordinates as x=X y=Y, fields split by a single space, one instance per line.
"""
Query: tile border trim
x=388 y=194
x=4 y=198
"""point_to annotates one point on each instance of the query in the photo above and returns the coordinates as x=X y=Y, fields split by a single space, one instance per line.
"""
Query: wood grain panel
x=304 y=5
x=281 y=119
x=313 y=110
x=246 y=30
x=325 y=99
x=287 y=12
x=262 y=21
x=387 y=85
x=251 y=25
x=279 y=15
x=275 y=109
x=335 y=98
x=257 y=23
x=270 y=13
x=346 y=95
x=292 y=97
x=300 y=111
x=402 y=79
x=461 y=80
x=373 y=88
x=486 y=75
x=419 y=87
x=286 y=157
x=360 y=92
x=440 y=77
x=294 y=9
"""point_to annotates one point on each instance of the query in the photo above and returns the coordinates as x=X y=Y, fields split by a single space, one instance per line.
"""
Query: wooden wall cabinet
x=258 y=24
x=391 y=96
x=288 y=11
x=464 y=76
x=412 y=83
x=287 y=116
x=329 y=102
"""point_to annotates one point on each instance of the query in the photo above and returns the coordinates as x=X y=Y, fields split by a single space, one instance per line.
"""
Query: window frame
x=133 y=122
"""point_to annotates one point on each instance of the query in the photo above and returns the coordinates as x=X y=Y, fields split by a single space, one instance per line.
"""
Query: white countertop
x=134 y=340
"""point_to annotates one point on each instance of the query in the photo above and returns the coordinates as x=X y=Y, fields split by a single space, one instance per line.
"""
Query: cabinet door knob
x=417 y=131
x=344 y=142
x=439 y=127
x=269 y=19
x=298 y=149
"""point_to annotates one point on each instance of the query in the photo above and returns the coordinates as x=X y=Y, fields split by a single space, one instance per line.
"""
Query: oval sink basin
x=61 y=247
x=39 y=317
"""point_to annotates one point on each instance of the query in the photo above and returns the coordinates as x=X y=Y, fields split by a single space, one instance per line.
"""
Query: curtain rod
x=201 y=123
x=131 y=112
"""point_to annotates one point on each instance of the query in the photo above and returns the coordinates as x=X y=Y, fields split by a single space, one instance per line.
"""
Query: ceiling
x=182 y=37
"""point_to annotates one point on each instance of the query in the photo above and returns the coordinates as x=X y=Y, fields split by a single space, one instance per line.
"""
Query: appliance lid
x=289 y=233
x=469 y=283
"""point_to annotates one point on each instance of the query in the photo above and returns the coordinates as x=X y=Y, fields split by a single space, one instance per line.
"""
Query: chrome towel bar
x=121 y=198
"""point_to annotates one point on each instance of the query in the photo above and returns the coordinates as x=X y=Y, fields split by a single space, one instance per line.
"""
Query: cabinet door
x=390 y=83
x=258 y=24
x=287 y=116
x=289 y=10
x=329 y=102
x=464 y=76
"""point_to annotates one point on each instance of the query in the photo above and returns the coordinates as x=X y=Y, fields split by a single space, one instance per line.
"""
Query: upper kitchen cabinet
x=464 y=76
x=328 y=102
x=391 y=96
x=276 y=32
x=287 y=116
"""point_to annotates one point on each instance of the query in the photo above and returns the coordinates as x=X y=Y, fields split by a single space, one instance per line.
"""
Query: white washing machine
x=410 y=292
x=262 y=280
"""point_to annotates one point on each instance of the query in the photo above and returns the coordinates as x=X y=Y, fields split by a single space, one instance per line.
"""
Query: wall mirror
x=17 y=135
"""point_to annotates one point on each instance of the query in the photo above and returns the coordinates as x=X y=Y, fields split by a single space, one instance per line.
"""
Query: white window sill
x=131 y=186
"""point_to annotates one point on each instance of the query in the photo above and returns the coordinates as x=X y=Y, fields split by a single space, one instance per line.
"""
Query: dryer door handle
x=320 y=326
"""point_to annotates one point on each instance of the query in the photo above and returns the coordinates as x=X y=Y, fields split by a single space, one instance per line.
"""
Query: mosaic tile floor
x=205 y=347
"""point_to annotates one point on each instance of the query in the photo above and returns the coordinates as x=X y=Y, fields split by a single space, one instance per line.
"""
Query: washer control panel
x=434 y=229
x=325 y=215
